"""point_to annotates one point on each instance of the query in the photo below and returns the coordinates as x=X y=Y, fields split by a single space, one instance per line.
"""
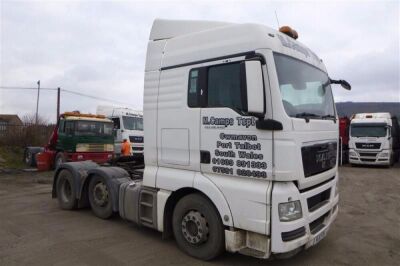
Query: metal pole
x=58 y=103
x=37 y=101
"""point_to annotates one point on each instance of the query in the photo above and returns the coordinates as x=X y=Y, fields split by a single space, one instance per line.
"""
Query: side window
x=193 y=93
x=117 y=124
x=61 y=126
x=69 y=127
x=218 y=86
x=224 y=87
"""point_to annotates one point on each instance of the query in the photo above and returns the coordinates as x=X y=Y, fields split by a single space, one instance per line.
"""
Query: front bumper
x=369 y=157
x=97 y=157
x=319 y=207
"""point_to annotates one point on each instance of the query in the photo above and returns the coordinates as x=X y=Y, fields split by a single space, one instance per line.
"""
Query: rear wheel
x=60 y=159
x=66 y=193
x=100 y=197
x=198 y=228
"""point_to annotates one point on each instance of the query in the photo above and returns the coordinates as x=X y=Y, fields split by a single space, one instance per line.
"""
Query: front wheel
x=198 y=228
x=100 y=197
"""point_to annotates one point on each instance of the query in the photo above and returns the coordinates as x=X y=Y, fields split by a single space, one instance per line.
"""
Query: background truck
x=374 y=139
x=241 y=142
x=76 y=137
x=128 y=124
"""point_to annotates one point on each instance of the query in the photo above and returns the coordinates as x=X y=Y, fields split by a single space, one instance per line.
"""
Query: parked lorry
x=374 y=139
x=128 y=124
x=240 y=148
x=76 y=137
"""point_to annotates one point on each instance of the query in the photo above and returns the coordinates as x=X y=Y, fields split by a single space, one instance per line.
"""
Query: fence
x=25 y=135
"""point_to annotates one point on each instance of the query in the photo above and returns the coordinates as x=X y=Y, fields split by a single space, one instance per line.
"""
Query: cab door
x=235 y=155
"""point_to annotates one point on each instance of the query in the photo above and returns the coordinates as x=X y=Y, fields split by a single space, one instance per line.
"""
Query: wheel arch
x=79 y=172
x=113 y=176
x=214 y=195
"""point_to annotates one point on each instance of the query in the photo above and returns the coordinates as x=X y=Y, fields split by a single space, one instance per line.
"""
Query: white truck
x=374 y=139
x=241 y=138
x=128 y=124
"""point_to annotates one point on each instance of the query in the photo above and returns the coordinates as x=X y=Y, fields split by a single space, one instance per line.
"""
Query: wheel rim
x=195 y=228
x=100 y=194
x=66 y=191
x=28 y=157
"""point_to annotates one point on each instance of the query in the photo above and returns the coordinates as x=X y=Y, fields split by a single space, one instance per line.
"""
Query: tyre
x=198 y=228
x=66 y=194
x=60 y=159
x=100 y=198
x=28 y=158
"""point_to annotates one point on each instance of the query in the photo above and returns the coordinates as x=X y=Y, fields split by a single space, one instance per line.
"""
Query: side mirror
x=254 y=87
x=343 y=83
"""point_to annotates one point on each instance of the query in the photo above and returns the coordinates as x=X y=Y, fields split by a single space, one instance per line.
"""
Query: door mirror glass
x=255 y=87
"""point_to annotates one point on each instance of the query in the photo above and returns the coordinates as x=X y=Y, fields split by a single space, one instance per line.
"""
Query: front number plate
x=319 y=237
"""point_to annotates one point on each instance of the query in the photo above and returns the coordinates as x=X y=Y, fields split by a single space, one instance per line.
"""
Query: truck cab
x=81 y=137
x=128 y=124
x=373 y=139
x=244 y=114
x=241 y=143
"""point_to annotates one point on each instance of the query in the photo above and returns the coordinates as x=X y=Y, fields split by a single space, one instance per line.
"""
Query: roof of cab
x=181 y=41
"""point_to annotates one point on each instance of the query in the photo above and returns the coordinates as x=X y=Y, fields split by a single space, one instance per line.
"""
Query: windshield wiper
x=306 y=116
x=329 y=117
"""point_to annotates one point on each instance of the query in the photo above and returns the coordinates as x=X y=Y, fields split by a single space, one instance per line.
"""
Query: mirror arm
x=342 y=82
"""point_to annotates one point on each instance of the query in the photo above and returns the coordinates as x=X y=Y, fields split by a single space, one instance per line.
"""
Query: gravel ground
x=34 y=231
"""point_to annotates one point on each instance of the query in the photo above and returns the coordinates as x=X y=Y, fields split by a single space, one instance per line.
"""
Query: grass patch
x=12 y=157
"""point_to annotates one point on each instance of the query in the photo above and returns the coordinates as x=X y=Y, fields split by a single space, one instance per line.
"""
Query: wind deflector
x=167 y=29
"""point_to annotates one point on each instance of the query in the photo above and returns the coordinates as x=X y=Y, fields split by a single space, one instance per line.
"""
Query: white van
x=128 y=124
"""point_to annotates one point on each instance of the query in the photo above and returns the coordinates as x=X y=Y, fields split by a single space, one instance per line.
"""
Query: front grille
x=317 y=225
x=317 y=201
x=92 y=147
x=318 y=158
x=136 y=139
x=368 y=146
x=371 y=154
x=367 y=160
x=292 y=235
x=137 y=148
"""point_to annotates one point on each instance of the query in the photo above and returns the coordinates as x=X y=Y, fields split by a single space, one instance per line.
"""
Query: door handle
x=205 y=157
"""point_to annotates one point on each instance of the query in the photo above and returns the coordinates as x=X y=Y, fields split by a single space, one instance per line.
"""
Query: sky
x=99 y=47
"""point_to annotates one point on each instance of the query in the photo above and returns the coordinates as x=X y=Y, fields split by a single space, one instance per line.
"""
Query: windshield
x=360 y=130
x=305 y=89
x=133 y=123
x=93 y=128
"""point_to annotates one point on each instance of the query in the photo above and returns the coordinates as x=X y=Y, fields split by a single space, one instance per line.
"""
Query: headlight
x=290 y=211
x=109 y=147
x=82 y=147
x=353 y=154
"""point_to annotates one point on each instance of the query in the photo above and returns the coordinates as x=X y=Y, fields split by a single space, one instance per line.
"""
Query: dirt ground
x=34 y=231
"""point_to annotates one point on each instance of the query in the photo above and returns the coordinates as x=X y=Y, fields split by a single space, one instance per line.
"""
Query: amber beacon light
x=289 y=32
